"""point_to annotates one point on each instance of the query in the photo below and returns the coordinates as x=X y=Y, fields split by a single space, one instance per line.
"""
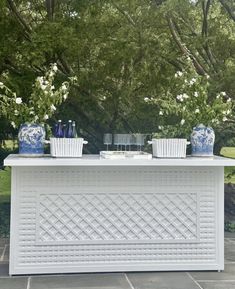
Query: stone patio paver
x=81 y=281
x=14 y=283
x=229 y=235
x=4 y=270
x=161 y=280
x=3 y=242
x=216 y=285
x=229 y=249
x=227 y=274
x=6 y=254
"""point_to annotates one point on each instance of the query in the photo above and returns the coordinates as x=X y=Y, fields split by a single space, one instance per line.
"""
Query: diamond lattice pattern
x=116 y=217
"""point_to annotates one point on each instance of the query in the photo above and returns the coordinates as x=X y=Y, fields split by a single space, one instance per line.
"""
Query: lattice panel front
x=85 y=217
x=117 y=217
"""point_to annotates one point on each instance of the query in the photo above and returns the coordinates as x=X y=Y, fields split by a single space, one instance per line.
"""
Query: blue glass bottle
x=75 y=135
x=64 y=130
x=59 y=131
x=69 y=132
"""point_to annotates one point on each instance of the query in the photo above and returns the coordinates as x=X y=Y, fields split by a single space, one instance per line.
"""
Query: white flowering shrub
x=190 y=103
x=40 y=105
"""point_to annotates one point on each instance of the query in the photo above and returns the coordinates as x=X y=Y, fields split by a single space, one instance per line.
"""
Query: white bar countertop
x=95 y=160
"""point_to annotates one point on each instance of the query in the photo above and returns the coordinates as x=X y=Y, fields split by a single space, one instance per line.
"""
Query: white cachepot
x=169 y=148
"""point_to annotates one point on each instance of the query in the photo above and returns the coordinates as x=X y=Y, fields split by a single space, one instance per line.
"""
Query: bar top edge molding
x=15 y=160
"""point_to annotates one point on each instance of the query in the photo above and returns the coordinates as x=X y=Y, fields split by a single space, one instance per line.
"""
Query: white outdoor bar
x=99 y=215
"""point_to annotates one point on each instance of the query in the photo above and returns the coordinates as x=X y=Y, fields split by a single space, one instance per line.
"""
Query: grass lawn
x=5 y=192
x=229 y=172
x=5 y=185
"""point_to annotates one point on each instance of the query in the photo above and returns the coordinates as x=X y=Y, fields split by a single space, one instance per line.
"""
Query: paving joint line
x=220 y=280
x=28 y=283
x=129 y=282
x=195 y=281
x=3 y=253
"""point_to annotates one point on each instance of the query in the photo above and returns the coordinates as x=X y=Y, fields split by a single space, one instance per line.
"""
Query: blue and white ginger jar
x=202 y=141
x=31 y=139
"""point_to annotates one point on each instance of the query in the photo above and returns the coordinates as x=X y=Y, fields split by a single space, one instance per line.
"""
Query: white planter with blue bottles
x=202 y=141
x=67 y=147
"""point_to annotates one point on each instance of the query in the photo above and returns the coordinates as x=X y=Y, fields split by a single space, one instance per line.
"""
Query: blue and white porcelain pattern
x=31 y=139
x=202 y=141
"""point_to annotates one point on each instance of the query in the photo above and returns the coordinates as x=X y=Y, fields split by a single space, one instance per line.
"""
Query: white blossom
x=64 y=87
x=196 y=94
x=53 y=107
x=207 y=76
x=178 y=74
x=192 y=81
x=225 y=118
x=185 y=95
x=13 y=124
x=16 y=112
x=197 y=110
x=160 y=112
x=180 y=97
x=229 y=99
x=218 y=96
x=146 y=99
x=36 y=118
x=223 y=93
x=18 y=100
x=31 y=112
x=40 y=79
x=46 y=116
x=52 y=87
x=182 y=121
x=54 y=67
x=226 y=112
x=160 y=127
x=43 y=87
x=1 y=85
x=65 y=96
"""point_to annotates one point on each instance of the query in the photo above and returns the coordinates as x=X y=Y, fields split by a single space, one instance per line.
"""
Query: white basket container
x=67 y=147
x=169 y=148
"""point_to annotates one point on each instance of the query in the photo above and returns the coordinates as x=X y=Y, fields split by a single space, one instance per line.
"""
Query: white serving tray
x=114 y=155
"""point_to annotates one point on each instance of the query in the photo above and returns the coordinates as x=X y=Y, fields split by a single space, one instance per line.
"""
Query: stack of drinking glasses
x=124 y=142
x=126 y=146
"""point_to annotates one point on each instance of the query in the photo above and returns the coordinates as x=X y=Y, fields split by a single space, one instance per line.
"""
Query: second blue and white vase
x=202 y=141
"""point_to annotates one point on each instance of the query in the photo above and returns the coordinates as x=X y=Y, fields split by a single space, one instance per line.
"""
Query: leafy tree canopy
x=122 y=53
